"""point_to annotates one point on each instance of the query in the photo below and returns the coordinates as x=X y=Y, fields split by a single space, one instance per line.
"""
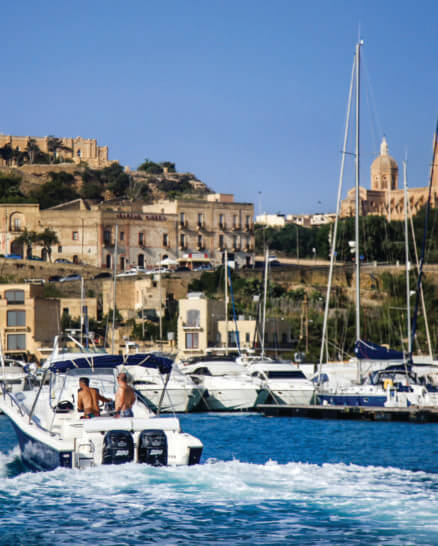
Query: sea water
x=261 y=481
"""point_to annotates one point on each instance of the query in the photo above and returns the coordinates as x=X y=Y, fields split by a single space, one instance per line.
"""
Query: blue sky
x=248 y=95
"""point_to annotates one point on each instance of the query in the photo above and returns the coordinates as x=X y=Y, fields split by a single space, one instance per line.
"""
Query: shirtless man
x=125 y=397
x=88 y=399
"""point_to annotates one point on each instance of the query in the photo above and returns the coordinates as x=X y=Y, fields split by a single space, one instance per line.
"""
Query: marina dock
x=412 y=414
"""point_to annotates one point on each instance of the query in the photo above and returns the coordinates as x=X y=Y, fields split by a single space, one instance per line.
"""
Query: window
x=59 y=249
x=247 y=337
x=200 y=243
x=17 y=224
x=221 y=241
x=235 y=241
x=16 y=318
x=193 y=318
x=14 y=296
x=141 y=238
x=192 y=341
x=248 y=221
x=235 y=223
x=122 y=235
x=221 y=220
x=200 y=219
x=16 y=342
x=166 y=240
x=75 y=235
x=182 y=240
x=182 y=218
x=107 y=237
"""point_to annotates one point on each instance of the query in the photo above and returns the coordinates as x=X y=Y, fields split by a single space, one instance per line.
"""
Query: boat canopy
x=372 y=351
x=147 y=360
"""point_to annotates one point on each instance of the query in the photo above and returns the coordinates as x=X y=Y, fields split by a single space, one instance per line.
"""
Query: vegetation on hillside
x=380 y=240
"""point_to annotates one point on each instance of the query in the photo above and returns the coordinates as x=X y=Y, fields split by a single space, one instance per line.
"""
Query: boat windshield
x=285 y=374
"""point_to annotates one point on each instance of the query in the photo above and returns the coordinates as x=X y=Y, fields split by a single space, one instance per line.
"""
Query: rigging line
x=371 y=94
x=426 y=221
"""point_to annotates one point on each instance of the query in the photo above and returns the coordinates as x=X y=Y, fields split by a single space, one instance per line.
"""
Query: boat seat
x=103 y=424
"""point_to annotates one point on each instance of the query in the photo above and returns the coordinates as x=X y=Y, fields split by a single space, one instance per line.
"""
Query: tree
x=6 y=153
x=27 y=239
x=48 y=238
x=150 y=167
x=10 y=189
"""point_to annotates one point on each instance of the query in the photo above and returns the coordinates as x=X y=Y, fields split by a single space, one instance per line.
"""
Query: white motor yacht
x=52 y=432
x=226 y=383
x=181 y=394
x=284 y=381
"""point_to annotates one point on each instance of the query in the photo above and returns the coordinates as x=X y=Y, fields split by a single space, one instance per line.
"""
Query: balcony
x=237 y=227
x=200 y=226
x=192 y=326
x=183 y=224
x=222 y=226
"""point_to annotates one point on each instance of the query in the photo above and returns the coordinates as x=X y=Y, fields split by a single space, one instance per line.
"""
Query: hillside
x=52 y=184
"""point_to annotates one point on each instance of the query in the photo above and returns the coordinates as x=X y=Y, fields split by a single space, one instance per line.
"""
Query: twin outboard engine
x=118 y=447
x=152 y=447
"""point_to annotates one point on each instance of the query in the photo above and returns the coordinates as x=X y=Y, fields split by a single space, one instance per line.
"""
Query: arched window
x=140 y=260
x=108 y=260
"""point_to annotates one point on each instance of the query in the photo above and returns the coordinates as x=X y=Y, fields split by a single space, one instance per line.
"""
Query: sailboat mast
x=357 y=248
x=226 y=301
x=264 y=301
x=408 y=291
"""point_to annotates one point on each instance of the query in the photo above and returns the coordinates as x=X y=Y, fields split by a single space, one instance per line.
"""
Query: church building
x=386 y=198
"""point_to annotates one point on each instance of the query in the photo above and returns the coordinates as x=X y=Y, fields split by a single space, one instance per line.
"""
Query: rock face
x=165 y=184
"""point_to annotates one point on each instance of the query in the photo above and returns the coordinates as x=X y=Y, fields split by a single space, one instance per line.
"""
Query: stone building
x=28 y=321
x=210 y=226
x=185 y=231
x=385 y=198
x=197 y=324
x=75 y=149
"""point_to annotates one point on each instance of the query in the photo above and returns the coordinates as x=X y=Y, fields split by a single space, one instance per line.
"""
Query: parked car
x=71 y=277
x=13 y=256
x=182 y=268
x=55 y=278
x=35 y=281
x=103 y=275
x=62 y=261
x=35 y=258
x=129 y=273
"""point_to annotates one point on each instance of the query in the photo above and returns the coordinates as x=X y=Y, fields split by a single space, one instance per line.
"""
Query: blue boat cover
x=147 y=360
x=371 y=351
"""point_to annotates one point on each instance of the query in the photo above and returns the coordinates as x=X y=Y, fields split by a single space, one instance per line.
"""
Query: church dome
x=384 y=170
x=384 y=162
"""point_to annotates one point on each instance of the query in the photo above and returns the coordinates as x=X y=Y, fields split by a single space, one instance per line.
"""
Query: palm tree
x=27 y=239
x=47 y=239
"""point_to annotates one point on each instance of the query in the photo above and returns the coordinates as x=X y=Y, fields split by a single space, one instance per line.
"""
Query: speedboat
x=181 y=394
x=284 y=381
x=52 y=432
x=226 y=384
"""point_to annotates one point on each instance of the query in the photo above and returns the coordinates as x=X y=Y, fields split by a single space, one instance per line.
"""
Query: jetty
x=411 y=414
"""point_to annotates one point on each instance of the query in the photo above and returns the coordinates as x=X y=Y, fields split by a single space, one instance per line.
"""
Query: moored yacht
x=52 y=432
x=284 y=381
x=227 y=385
x=181 y=394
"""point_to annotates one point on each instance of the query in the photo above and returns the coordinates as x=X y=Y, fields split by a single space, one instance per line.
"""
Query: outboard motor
x=152 y=447
x=118 y=447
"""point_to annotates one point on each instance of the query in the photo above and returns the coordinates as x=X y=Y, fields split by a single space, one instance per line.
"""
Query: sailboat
x=389 y=379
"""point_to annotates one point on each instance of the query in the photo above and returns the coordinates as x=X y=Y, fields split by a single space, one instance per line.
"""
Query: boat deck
x=411 y=414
